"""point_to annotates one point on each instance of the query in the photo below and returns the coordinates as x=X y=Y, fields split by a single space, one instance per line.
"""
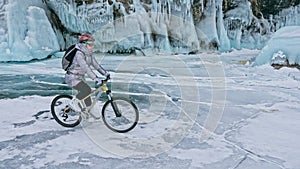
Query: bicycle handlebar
x=105 y=80
x=102 y=82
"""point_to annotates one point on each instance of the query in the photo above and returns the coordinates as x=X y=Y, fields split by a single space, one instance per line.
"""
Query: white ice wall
x=29 y=34
x=166 y=25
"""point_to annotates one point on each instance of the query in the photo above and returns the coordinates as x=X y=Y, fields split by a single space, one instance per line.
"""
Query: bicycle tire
x=58 y=114
x=127 y=108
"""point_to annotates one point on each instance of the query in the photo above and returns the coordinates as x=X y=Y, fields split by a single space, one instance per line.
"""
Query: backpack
x=68 y=57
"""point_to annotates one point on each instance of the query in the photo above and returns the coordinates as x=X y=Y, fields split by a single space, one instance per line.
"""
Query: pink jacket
x=82 y=63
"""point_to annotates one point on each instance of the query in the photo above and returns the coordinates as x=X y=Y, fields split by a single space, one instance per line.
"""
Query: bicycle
x=119 y=114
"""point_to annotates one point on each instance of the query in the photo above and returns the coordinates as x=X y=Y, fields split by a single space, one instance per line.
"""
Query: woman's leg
x=83 y=90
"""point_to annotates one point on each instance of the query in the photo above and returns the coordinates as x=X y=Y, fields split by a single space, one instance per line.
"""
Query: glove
x=98 y=81
x=107 y=75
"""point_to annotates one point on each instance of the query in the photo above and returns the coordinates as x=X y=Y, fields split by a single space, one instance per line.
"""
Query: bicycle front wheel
x=62 y=112
x=120 y=115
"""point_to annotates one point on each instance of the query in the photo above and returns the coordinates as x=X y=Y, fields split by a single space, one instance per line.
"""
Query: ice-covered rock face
x=3 y=27
x=120 y=26
x=81 y=17
x=25 y=30
x=34 y=29
x=169 y=25
x=244 y=29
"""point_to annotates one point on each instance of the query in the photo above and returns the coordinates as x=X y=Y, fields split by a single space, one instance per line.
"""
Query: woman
x=81 y=65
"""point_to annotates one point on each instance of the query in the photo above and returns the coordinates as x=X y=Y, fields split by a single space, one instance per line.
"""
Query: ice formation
x=34 y=29
x=283 y=48
x=26 y=32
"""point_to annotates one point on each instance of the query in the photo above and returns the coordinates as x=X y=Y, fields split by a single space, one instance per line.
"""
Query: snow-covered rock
x=283 y=48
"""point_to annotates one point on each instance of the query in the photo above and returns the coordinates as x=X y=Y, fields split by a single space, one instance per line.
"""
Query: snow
x=285 y=41
x=256 y=115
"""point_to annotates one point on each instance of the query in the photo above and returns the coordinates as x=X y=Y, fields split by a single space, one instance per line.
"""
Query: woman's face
x=90 y=46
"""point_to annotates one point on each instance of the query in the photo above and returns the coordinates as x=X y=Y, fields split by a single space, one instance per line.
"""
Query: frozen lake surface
x=196 y=111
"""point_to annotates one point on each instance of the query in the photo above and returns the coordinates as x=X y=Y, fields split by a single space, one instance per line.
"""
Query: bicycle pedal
x=65 y=117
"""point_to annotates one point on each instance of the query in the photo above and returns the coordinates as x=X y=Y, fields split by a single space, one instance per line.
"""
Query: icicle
x=222 y=34
x=169 y=9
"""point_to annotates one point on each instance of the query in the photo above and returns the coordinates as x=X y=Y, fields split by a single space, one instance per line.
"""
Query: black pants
x=83 y=90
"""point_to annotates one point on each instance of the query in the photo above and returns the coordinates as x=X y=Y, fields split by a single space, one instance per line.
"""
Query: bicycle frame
x=111 y=113
x=105 y=89
x=102 y=87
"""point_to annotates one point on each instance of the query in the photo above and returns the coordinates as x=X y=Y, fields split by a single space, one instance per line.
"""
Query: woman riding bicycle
x=81 y=65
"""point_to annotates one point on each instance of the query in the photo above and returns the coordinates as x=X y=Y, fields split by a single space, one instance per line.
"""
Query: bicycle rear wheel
x=120 y=115
x=62 y=112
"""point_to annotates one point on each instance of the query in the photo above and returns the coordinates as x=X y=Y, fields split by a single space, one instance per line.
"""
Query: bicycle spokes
x=121 y=121
x=120 y=115
x=63 y=113
x=58 y=103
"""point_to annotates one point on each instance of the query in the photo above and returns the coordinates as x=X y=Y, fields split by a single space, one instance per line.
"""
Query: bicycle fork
x=114 y=106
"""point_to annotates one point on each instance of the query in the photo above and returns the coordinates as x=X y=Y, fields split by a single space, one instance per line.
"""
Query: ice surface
x=258 y=127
